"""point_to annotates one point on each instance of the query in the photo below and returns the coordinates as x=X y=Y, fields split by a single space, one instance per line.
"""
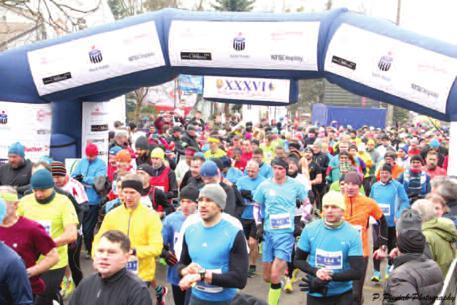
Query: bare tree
x=54 y=13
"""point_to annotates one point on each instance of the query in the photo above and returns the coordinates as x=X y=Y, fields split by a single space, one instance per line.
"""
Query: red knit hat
x=91 y=150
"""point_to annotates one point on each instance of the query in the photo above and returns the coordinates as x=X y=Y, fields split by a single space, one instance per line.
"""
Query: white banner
x=29 y=124
x=257 y=45
x=247 y=89
x=95 y=58
x=95 y=127
x=398 y=68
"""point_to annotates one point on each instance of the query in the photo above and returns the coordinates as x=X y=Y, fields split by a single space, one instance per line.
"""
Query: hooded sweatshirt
x=441 y=234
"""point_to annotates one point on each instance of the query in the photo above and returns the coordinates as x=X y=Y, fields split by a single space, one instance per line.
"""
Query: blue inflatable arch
x=367 y=56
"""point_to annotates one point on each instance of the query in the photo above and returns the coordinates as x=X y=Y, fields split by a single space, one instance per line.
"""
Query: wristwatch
x=202 y=273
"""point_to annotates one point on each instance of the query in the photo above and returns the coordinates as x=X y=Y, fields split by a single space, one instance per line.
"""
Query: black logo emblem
x=385 y=62
x=239 y=42
x=95 y=55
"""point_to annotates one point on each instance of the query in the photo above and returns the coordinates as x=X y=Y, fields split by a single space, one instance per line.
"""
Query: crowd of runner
x=209 y=198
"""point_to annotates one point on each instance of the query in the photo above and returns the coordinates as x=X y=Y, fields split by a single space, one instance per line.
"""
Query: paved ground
x=258 y=288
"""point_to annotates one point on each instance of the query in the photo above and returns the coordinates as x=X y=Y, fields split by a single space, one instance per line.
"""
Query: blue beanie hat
x=41 y=180
x=2 y=210
x=209 y=169
x=434 y=143
x=16 y=149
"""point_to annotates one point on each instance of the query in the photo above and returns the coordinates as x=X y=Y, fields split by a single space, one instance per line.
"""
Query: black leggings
x=341 y=299
x=74 y=251
x=357 y=285
x=52 y=279
x=89 y=222
x=391 y=243
x=179 y=296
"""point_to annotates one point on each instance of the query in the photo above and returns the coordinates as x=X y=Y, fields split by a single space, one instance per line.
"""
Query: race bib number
x=133 y=264
x=161 y=188
x=46 y=225
x=280 y=221
x=385 y=208
x=202 y=286
x=329 y=260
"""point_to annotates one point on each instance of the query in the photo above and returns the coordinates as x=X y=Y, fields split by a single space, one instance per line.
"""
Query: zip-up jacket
x=144 y=228
x=121 y=288
x=358 y=211
x=391 y=198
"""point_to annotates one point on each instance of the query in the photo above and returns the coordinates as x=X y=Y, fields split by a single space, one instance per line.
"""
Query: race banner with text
x=95 y=127
x=246 y=89
x=388 y=65
x=29 y=124
x=290 y=45
x=95 y=58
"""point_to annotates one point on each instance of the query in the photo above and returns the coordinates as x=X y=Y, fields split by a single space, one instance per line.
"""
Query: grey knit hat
x=215 y=192
x=409 y=220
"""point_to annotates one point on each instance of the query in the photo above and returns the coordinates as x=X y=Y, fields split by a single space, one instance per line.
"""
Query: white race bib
x=160 y=188
x=133 y=265
x=280 y=221
x=385 y=207
x=46 y=225
x=332 y=260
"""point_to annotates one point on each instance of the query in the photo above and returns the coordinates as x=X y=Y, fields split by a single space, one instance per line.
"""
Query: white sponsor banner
x=247 y=89
x=95 y=58
x=29 y=124
x=421 y=76
x=256 y=45
x=95 y=127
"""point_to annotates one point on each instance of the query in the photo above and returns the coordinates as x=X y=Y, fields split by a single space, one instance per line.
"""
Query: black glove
x=169 y=257
x=80 y=178
x=314 y=284
x=246 y=194
x=259 y=232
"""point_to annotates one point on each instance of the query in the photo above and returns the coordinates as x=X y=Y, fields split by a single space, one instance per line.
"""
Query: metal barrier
x=448 y=294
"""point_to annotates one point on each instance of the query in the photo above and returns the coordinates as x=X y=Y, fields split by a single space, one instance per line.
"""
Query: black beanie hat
x=142 y=143
x=189 y=192
x=411 y=241
x=280 y=162
x=146 y=168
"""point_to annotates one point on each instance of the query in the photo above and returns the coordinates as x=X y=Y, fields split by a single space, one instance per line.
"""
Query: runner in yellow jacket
x=141 y=224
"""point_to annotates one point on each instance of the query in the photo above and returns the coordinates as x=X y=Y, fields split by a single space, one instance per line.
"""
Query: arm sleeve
x=173 y=190
x=99 y=172
x=237 y=275
x=383 y=230
x=155 y=241
x=18 y=283
x=161 y=199
x=354 y=273
x=185 y=259
x=301 y=261
x=23 y=188
x=167 y=232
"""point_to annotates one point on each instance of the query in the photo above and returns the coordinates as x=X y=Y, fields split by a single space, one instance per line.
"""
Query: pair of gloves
x=314 y=284
x=169 y=256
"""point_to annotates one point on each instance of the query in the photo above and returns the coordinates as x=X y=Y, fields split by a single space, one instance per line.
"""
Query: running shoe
x=160 y=295
x=252 y=272
x=294 y=275
x=288 y=286
x=388 y=270
x=376 y=277
x=68 y=287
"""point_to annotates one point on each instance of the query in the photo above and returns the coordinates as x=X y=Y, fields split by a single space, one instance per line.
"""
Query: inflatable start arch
x=367 y=56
